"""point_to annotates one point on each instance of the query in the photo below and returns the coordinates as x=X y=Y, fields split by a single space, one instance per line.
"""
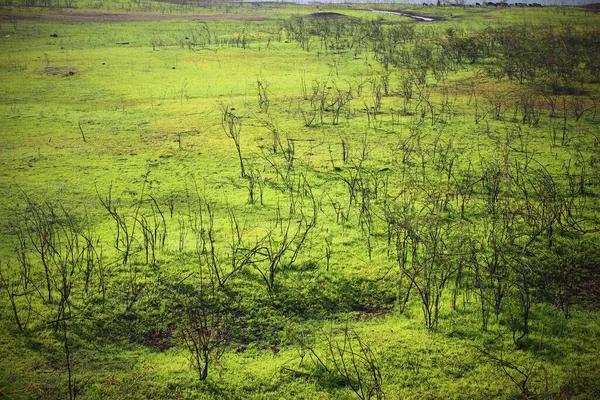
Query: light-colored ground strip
x=117 y=17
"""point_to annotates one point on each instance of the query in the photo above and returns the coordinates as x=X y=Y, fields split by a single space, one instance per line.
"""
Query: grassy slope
x=133 y=101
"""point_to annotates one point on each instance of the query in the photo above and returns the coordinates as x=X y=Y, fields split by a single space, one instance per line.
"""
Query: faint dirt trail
x=121 y=17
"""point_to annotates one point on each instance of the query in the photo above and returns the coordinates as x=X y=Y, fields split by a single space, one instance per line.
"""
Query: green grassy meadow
x=273 y=201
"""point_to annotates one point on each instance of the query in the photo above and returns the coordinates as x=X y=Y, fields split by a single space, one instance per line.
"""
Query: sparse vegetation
x=255 y=200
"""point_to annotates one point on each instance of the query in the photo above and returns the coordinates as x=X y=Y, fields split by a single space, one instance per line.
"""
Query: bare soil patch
x=325 y=15
x=62 y=71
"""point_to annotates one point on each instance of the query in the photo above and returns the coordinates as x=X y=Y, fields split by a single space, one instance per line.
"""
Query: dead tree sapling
x=232 y=127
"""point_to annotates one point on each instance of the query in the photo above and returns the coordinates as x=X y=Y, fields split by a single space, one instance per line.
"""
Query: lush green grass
x=132 y=109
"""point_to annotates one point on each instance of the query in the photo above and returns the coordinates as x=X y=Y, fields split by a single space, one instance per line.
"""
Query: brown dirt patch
x=63 y=71
x=116 y=17
x=160 y=339
x=325 y=15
